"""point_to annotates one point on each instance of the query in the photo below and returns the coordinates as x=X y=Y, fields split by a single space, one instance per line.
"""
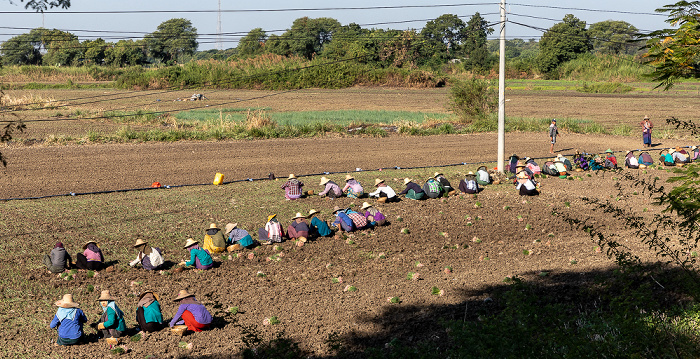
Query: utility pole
x=219 y=41
x=501 y=91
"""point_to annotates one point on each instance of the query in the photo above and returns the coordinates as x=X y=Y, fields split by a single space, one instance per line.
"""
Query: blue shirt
x=321 y=227
x=341 y=216
x=204 y=257
x=70 y=328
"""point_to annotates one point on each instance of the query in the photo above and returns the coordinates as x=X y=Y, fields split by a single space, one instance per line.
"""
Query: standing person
x=292 y=188
x=352 y=187
x=148 y=313
x=91 y=258
x=199 y=258
x=383 y=193
x=646 y=131
x=299 y=229
x=412 y=190
x=149 y=257
x=332 y=190
x=58 y=260
x=191 y=313
x=318 y=227
x=69 y=319
x=553 y=132
x=112 y=322
x=272 y=232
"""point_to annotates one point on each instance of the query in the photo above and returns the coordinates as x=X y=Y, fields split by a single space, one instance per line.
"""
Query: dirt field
x=482 y=242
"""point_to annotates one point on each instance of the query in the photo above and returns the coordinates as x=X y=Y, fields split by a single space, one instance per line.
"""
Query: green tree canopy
x=563 y=42
x=126 y=53
x=475 y=46
x=444 y=34
x=613 y=37
x=675 y=53
x=253 y=43
x=307 y=37
x=172 y=39
x=24 y=49
x=41 y=5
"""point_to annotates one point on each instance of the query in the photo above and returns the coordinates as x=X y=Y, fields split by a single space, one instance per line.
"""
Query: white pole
x=501 y=91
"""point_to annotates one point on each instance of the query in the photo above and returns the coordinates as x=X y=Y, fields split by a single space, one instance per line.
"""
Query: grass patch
x=605 y=87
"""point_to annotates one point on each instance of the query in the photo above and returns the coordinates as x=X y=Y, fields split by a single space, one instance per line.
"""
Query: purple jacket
x=200 y=313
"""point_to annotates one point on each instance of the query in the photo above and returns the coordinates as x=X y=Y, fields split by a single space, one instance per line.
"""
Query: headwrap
x=113 y=305
x=147 y=299
x=58 y=245
x=64 y=313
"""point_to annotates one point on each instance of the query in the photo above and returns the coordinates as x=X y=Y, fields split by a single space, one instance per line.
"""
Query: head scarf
x=113 y=305
x=147 y=299
x=189 y=300
x=64 y=313
x=93 y=247
x=58 y=245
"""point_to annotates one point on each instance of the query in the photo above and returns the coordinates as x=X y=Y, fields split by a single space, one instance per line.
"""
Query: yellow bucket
x=218 y=179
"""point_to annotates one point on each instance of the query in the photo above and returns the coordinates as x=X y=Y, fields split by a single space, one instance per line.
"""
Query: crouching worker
x=374 y=217
x=69 y=320
x=468 y=184
x=191 y=313
x=214 y=240
x=383 y=193
x=150 y=258
x=352 y=187
x=433 y=188
x=148 y=313
x=412 y=190
x=292 y=188
x=525 y=185
x=199 y=258
x=342 y=221
x=299 y=229
x=446 y=185
x=58 y=260
x=237 y=238
x=318 y=228
x=331 y=189
x=91 y=258
x=272 y=232
x=112 y=322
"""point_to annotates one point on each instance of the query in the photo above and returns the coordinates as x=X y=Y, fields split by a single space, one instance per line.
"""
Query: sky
x=235 y=23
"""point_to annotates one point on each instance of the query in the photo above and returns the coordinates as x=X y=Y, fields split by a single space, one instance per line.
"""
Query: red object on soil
x=155 y=185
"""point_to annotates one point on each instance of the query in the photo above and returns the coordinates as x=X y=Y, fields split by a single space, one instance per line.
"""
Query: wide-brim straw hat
x=336 y=209
x=152 y=292
x=324 y=180
x=608 y=151
x=312 y=212
x=678 y=149
x=694 y=148
x=406 y=180
x=349 y=177
x=105 y=295
x=522 y=174
x=88 y=242
x=291 y=175
x=646 y=117
x=139 y=242
x=671 y=151
x=366 y=205
x=182 y=295
x=190 y=242
x=298 y=215
x=520 y=163
x=378 y=181
x=229 y=227
x=270 y=217
x=213 y=226
x=67 y=302
x=437 y=174
x=470 y=174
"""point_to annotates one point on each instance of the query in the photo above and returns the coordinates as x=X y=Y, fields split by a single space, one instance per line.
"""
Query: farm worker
x=342 y=221
x=525 y=185
x=412 y=190
x=292 y=188
x=433 y=188
x=610 y=159
x=199 y=258
x=358 y=220
x=532 y=166
x=214 y=240
x=374 y=217
x=58 y=260
x=91 y=258
x=352 y=187
x=272 y=232
x=332 y=190
x=237 y=238
x=318 y=227
x=149 y=257
x=482 y=176
x=299 y=229
x=111 y=322
x=553 y=132
x=191 y=313
x=69 y=319
x=148 y=313
x=384 y=193
x=677 y=156
x=646 y=131
x=445 y=183
x=468 y=184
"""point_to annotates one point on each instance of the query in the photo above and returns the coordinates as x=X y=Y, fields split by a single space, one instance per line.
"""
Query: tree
x=307 y=37
x=675 y=53
x=561 y=43
x=475 y=46
x=172 y=39
x=94 y=51
x=613 y=37
x=62 y=48
x=444 y=35
x=24 y=49
x=126 y=53
x=41 y=5
x=253 y=43
x=473 y=99
x=402 y=50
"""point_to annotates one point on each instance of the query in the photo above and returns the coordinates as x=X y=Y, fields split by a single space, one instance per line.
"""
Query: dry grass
x=29 y=101
x=258 y=119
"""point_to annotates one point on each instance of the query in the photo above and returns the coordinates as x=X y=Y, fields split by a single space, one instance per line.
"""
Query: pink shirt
x=91 y=256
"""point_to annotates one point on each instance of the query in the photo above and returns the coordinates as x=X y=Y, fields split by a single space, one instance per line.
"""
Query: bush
x=473 y=99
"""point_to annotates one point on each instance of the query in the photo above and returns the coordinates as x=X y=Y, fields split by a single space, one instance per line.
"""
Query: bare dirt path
x=39 y=170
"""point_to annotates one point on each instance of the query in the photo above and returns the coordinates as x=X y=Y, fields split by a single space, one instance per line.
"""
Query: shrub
x=473 y=99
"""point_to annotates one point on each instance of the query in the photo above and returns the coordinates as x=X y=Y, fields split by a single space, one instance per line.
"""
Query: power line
x=589 y=10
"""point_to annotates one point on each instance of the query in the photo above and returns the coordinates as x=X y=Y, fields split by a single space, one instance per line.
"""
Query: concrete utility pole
x=219 y=41
x=501 y=91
